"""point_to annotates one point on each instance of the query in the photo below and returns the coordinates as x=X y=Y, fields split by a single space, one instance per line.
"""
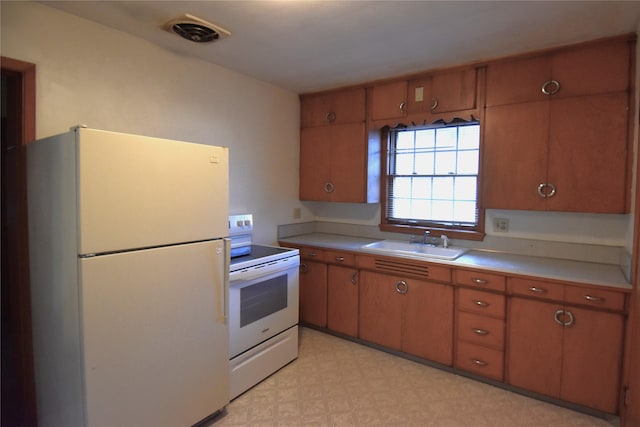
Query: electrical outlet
x=500 y=225
x=297 y=213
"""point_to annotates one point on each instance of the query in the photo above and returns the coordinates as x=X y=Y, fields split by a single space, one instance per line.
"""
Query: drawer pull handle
x=481 y=303
x=313 y=254
x=480 y=331
x=339 y=258
x=567 y=314
x=402 y=287
x=593 y=299
x=537 y=290
x=354 y=275
x=479 y=362
x=550 y=87
x=480 y=281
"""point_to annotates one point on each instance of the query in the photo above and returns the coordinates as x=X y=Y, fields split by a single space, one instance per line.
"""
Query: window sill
x=436 y=232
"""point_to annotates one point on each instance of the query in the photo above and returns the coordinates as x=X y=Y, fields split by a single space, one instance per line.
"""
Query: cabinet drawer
x=480 y=329
x=312 y=253
x=480 y=360
x=339 y=257
x=480 y=279
x=536 y=288
x=480 y=302
x=600 y=298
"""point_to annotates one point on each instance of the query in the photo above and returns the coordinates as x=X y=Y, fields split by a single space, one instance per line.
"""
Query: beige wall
x=90 y=74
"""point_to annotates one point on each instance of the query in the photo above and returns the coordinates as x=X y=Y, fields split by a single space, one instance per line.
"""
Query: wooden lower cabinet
x=410 y=315
x=313 y=293
x=565 y=352
x=342 y=300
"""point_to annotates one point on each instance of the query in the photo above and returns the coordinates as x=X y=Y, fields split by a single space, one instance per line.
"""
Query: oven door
x=263 y=305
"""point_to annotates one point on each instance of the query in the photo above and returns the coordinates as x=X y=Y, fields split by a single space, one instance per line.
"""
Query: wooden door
x=388 y=101
x=534 y=360
x=588 y=154
x=592 y=359
x=342 y=300
x=313 y=293
x=515 y=156
x=380 y=314
x=427 y=324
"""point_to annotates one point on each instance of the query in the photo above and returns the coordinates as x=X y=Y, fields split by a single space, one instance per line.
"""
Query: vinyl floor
x=335 y=382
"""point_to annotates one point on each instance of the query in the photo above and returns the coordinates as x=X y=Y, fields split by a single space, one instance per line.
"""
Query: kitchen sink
x=413 y=250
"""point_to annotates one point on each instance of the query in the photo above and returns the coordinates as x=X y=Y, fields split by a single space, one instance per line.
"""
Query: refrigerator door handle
x=225 y=285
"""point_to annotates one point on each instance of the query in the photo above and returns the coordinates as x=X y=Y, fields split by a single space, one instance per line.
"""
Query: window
x=432 y=177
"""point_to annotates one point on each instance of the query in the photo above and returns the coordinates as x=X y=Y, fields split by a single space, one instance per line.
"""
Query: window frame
x=453 y=232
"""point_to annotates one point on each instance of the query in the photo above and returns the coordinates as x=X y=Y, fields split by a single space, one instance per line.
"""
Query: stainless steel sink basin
x=413 y=250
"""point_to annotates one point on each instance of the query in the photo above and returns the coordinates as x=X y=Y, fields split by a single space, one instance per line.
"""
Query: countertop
x=547 y=268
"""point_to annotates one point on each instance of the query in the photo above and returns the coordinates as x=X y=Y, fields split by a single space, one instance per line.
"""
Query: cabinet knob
x=304 y=268
x=403 y=106
x=434 y=103
x=550 y=87
x=329 y=187
x=546 y=189
x=402 y=287
x=354 y=276
x=331 y=117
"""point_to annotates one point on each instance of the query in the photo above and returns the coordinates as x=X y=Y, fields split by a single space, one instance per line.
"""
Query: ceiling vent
x=195 y=29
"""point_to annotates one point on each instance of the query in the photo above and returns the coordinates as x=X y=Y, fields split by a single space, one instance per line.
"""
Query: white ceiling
x=308 y=46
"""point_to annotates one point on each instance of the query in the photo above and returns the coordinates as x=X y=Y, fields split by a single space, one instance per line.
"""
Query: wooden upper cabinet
x=389 y=101
x=346 y=106
x=587 y=70
x=442 y=92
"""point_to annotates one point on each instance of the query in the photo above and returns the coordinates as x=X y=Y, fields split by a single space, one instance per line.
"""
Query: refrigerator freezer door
x=139 y=192
x=155 y=335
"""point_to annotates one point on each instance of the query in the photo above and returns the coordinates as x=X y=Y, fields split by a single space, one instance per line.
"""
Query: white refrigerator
x=129 y=269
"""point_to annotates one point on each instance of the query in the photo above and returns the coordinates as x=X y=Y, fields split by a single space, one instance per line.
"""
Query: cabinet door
x=342 y=303
x=597 y=69
x=592 y=359
x=515 y=81
x=427 y=324
x=534 y=346
x=315 y=162
x=388 y=101
x=333 y=163
x=588 y=154
x=515 y=156
x=347 y=106
x=313 y=293
x=442 y=92
x=380 y=310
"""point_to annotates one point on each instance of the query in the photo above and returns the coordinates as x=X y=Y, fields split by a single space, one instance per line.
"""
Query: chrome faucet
x=445 y=241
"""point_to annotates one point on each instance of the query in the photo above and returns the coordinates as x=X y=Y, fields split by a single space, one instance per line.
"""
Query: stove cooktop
x=261 y=254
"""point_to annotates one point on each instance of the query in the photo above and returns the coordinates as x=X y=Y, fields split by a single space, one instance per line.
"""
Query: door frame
x=17 y=285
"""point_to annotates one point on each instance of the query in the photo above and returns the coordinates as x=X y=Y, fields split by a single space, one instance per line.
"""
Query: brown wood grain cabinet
x=480 y=323
x=388 y=101
x=345 y=106
x=407 y=314
x=342 y=288
x=556 y=131
x=442 y=92
x=339 y=162
x=313 y=287
x=563 y=350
